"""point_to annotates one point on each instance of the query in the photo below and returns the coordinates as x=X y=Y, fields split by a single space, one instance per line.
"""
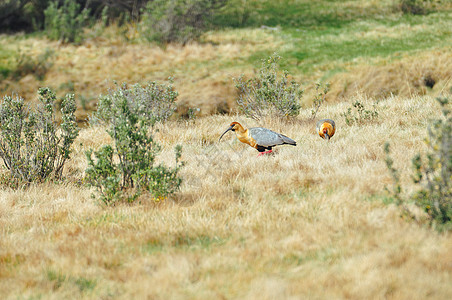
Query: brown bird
x=260 y=138
x=326 y=128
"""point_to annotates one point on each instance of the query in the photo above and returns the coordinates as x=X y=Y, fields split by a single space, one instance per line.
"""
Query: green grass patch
x=386 y=199
x=332 y=48
x=204 y=242
x=58 y=279
x=296 y=13
x=324 y=255
x=85 y=284
x=6 y=62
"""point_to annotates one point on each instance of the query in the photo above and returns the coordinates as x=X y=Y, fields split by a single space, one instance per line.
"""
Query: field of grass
x=313 y=221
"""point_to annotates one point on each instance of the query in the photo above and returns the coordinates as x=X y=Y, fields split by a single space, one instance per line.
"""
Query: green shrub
x=357 y=114
x=269 y=93
x=65 y=22
x=432 y=172
x=177 y=21
x=127 y=169
x=32 y=146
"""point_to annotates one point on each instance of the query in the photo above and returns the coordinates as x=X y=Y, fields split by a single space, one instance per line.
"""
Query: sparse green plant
x=25 y=64
x=65 y=22
x=432 y=172
x=32 y=145
x=178 y=21
x=319 y=98
x=358 y=114
x=269 y=93
x=127 y=169
x=396 y=191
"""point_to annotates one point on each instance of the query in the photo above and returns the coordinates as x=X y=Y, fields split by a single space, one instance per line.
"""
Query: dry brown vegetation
x=429 y=72
x=308 y=222
x=204 y=72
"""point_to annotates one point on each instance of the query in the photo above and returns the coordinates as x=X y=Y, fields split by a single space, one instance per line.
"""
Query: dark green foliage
x=433 y=172
x=414 y=7
x=32 y=146
x=65 y=22
x=127 y=169
x=357 y=114
x=178 y=21
x=269 y=93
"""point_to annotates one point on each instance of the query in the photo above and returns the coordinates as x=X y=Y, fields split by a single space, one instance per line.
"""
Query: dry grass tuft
x=307 y=222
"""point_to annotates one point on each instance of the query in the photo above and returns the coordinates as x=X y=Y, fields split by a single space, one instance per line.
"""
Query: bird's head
x=233 y=127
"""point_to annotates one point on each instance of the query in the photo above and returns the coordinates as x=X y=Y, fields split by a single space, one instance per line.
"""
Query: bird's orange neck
x=244 y=137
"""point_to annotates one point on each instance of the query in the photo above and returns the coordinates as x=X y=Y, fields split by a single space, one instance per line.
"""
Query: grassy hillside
x=311 y=221
x=354 y=45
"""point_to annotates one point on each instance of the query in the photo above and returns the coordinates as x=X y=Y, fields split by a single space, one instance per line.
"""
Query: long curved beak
x=230 y=128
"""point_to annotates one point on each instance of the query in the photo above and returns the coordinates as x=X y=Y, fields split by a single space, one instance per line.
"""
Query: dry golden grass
x=308 y=222
x=405 y=77
x=203 y=72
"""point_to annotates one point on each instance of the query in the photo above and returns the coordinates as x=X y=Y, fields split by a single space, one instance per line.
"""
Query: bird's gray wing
x=268 y=138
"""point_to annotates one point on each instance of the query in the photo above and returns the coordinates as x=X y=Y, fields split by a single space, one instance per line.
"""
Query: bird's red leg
x=265 y=152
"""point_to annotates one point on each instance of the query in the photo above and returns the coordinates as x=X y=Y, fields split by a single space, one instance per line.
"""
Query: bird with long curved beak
x=326 y=128
x=259 y=138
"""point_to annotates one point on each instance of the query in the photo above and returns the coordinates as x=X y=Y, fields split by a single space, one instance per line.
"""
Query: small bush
x=127 y=169
x=32 y=146
x=177 y=21
x=414 y=7
x=65 y=22
x=432 y=172
x=269 y=93
x=357 y=114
